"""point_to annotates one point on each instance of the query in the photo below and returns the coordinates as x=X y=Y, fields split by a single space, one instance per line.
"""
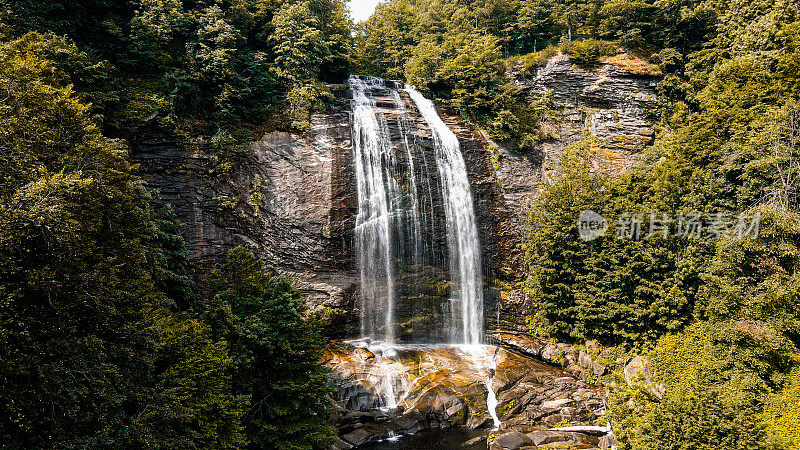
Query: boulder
x=358 y=437
x=555 y=405
x=474 y=441
x=542 y=438
x=510 y=440
x=584 y=359
x=607 y=441
x=598 y=369
x=340 y=445
x=639 y=369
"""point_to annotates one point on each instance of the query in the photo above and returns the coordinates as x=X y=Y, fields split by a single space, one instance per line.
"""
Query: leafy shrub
x=719 y=375
x=587 y=52
x=527 y=63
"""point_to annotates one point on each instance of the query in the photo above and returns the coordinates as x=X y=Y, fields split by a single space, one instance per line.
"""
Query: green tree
x=275 y=353
x=171 y=269
x=385 y=41
x=91 y=355
x=716 y=376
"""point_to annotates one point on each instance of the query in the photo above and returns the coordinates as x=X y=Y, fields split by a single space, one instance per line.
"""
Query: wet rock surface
x=394 y=390
x=289 y=197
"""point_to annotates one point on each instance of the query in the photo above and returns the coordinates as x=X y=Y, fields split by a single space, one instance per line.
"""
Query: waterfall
x=373 y=160
x=462 y=231
x=396 y=226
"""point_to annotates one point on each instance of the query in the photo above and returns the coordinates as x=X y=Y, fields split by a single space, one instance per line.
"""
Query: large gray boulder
x=639 y=370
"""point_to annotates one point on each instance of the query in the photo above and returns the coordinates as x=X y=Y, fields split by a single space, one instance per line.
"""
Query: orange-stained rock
x=426 y=386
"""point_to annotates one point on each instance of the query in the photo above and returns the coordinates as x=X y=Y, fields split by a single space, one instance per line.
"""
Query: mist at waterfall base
x=433 y=440
x=416 y=237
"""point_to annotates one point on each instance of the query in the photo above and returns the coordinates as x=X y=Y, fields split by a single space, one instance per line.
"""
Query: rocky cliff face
x=608 y=104
x=611 y=105
x=292 y=198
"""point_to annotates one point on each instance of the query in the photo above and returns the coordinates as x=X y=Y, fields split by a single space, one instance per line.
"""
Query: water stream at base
x=391 y=381
x=441 y=439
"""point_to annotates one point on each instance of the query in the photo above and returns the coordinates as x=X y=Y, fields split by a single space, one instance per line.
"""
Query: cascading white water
x=402 y=124
x=373 y=158
x=491 y=403
x=462 y=230
x=394 y=229
x=484 y=359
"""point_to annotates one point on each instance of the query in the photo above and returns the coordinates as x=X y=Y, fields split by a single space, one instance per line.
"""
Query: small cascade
x=484 y=359
x=491 y=396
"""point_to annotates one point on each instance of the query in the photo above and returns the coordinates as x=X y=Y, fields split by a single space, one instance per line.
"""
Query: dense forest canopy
x=106 y=341
x=197 y=64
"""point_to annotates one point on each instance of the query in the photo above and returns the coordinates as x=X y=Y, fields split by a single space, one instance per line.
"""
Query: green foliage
x=193 y=65
x=473 y=74
x=170 y=270
x=782 y=411
x=610 y=289
x=459 y=51
x=587 y=52
x=193 y=406
x=389 y=38
x=469 y=72
x=528 y=63
x=385 y=42
x=99 y=343
x=275 y=353
x=757 y=279
x=306 y=43
x=719 y=315
x=717 y=376
x=91 y=357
